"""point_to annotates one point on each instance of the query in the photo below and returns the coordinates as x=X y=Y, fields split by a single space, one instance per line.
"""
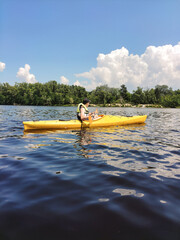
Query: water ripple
x=106 y=183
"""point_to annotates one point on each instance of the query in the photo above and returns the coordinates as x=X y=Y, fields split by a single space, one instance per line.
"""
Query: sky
x=91 y=42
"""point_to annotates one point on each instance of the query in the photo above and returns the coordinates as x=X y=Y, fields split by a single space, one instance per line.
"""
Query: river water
x=106 y=183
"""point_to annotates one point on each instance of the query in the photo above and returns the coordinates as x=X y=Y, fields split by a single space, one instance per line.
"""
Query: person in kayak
x=83 y=112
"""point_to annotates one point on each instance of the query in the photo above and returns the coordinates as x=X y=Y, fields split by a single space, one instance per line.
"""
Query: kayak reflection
x=85 y=131
x=91 y=143
x=84 y=138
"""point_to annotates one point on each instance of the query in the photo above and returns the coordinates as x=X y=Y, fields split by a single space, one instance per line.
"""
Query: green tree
x=161 y=91
x=138 y=96
x=149 y=96
x=124 y=93
x=171 y=101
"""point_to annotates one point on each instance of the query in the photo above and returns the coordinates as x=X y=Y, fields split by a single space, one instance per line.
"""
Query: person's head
x=86 y=102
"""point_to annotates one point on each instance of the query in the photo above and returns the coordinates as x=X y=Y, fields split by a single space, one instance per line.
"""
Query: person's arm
x=82 y=114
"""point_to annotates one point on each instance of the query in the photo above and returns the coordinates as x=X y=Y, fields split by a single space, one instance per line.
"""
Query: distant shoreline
x=127 y=105
x=55 y=94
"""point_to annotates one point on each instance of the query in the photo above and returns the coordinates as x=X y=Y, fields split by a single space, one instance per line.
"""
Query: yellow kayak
x=102 y=121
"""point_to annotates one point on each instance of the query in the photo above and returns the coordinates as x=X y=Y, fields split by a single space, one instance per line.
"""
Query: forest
x=56 y=94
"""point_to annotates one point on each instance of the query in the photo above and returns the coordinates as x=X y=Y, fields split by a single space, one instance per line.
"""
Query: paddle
x=90 y=119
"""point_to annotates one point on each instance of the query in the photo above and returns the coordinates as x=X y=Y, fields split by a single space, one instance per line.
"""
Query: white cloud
x=157 y=65
x=2 y=66
x=25 y=75
x=64 y=80
x=77 y=83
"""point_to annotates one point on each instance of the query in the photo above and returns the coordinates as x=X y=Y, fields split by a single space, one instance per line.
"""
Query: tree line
x=55 y=94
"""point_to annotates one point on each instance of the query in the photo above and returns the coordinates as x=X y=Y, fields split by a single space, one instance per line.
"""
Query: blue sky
x=65 y=37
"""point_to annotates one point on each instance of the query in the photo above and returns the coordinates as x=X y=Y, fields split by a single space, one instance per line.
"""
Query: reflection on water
x=84 y=137
x=125 y=177
x=123 y=147
x=126 y=192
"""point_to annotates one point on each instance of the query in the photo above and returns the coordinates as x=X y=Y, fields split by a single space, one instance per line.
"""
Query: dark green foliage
x=124 y=93
x=54 y=94
x=171 y=101
x=138 y=96
x=149 y=96
x=161 y=91
x=50 y=93
x=104 y=95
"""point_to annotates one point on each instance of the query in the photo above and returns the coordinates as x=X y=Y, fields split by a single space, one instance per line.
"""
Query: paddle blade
x=96 y=111
x=90 y=119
